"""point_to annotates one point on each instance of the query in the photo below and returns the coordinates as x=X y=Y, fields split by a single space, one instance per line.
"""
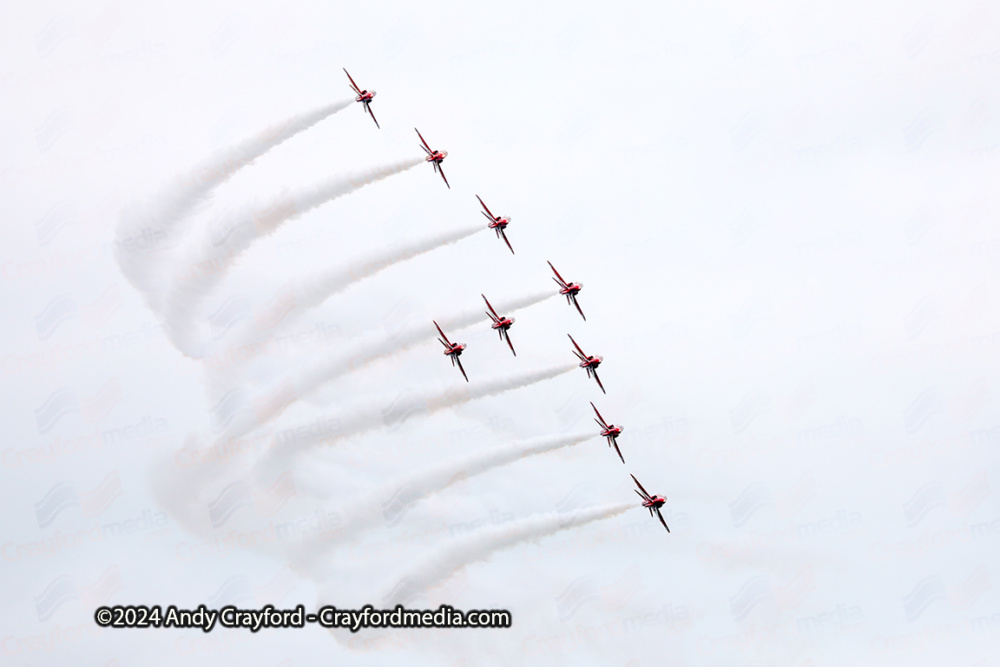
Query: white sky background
x=784 y=219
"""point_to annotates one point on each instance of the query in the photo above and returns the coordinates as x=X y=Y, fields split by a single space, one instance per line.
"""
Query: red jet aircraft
x=588 y=363
x=365 y=97
x=609 y=431
x=453 y=350
x=500 y=323
x=434 y=157
x=497 y=224
x=569 y=290
x=652 y=503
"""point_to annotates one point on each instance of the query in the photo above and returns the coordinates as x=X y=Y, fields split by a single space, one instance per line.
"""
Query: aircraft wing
x=506 y=241
x=600 y=419
x=644 y=493
x=561 y=281
x=448 y=342
x=492 y=217
x=426 y=148
x=662 y=521
x=368 y=107
x=615 y=443
x=353 y=85
x=494 y=315
x=461 y=368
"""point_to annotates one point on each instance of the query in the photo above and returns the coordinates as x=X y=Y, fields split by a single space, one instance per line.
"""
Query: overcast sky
x=784 y=218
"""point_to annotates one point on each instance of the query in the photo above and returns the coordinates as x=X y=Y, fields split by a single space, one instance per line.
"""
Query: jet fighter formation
x=502 y=324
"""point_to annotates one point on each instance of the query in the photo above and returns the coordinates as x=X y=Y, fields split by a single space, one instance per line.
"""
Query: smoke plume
x=387 y=505
x=232 y=236
x=146 y=232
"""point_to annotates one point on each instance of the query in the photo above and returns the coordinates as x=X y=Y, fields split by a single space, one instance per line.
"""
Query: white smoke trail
x=146 y=232
x=323 y=287
x=316 y=290
x=235 y=235
x=473 y=315
x=336 y=427
x=386 y=506
x=317 y=373
x=482 y=544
